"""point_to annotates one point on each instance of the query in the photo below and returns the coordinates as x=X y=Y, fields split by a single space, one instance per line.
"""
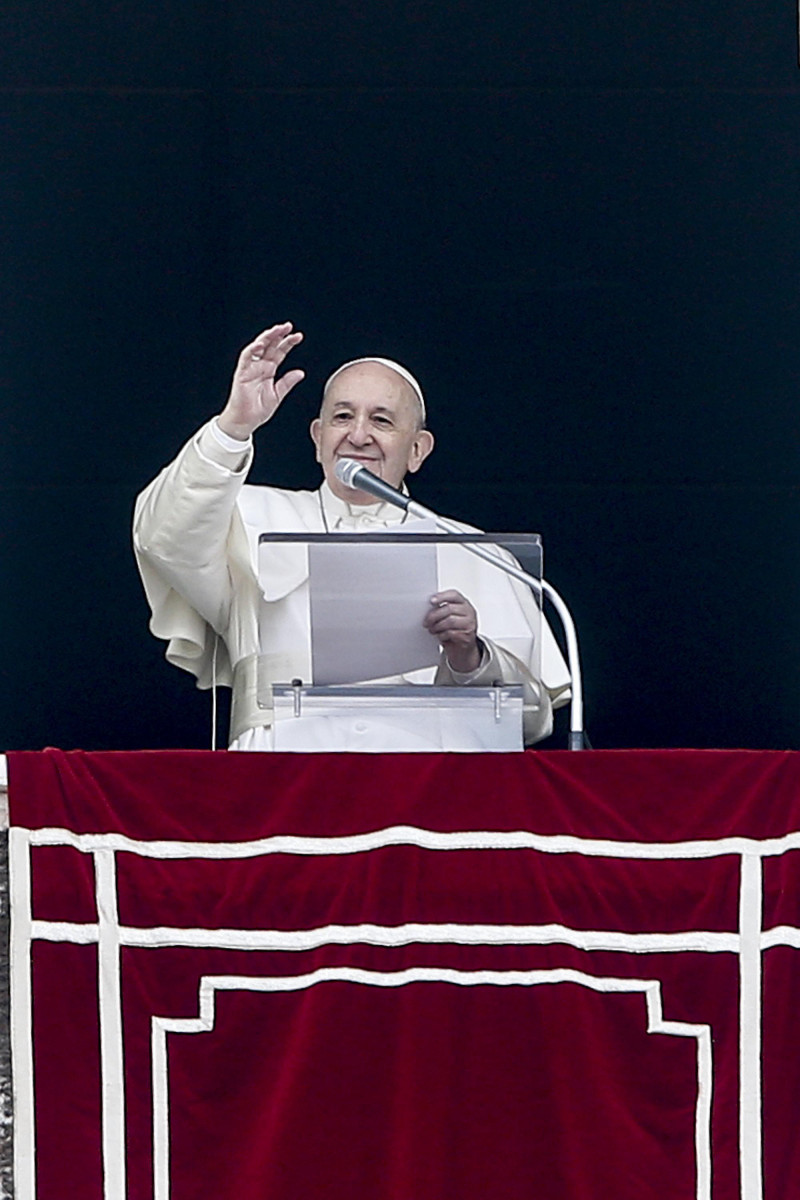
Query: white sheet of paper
x=368 y=600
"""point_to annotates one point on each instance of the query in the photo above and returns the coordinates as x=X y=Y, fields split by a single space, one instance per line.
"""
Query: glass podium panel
x=402 y=719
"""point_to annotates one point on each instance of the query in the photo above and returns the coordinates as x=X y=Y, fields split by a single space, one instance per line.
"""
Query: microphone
x=353 y=475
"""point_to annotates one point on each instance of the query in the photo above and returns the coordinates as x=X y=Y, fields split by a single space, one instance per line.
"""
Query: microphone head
x=345 y=471
x=353 y=475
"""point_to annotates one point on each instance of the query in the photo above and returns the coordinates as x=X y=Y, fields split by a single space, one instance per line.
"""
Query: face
x=372 y=415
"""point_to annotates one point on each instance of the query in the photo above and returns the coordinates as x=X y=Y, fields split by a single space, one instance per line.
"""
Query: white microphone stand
x=577 y=739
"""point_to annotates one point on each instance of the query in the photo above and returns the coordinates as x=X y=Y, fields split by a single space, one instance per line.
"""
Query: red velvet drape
x=422 y=977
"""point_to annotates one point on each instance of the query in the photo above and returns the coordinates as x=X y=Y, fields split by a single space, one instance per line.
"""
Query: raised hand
x=452 y=619
x=256 y=393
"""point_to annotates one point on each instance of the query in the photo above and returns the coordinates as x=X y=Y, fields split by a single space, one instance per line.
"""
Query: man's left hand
x=453 y=620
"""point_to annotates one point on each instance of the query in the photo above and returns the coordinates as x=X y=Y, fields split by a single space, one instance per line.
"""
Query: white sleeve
x=184 y=523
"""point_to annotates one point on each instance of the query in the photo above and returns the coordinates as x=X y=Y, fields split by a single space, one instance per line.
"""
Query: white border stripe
x=705 y=1083
x=19 y=868
x=780 y=935
x=425 y=839
x=158 y=936
x=65 y=931
x=209 y=985
x=703 y=941
x=750 y=919
x=159 y=1073
x=112 y=1071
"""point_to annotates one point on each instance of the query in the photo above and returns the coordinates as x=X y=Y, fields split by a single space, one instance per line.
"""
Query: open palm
x=256 y=391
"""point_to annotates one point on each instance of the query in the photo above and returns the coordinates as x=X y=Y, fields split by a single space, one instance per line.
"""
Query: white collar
x=338 y=514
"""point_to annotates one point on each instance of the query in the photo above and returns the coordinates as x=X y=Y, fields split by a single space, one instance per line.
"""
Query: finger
x=434 y=615
x=262 y=358
x=444 y=622
x=268 y=360
x=277 y=351
x=456 y=639
x=259 y=345
x=457 y=642
x=463 y=636
x=285 y=384
x=448 y=603
x=438 y=612
x=450 y=596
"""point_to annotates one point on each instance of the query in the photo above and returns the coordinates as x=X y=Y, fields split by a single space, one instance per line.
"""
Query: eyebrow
x=379 y=408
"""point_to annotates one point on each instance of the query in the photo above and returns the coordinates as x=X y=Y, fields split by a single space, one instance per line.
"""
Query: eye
x=381 y=420
x=340 y=417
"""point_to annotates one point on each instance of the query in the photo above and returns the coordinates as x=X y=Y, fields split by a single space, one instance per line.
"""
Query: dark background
x=578 y=224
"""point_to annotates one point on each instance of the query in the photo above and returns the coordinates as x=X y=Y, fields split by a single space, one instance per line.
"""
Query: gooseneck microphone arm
x=353 y=475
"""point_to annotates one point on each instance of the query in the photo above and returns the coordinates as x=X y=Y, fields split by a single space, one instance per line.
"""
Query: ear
x=314 y=430
x=420 y=449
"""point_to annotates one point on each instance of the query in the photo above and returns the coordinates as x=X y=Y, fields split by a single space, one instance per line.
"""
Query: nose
x=359 y=433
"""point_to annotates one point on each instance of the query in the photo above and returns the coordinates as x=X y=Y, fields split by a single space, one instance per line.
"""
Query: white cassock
x=196 y=531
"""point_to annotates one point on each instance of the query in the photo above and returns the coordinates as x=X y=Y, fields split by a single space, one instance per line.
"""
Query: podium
x=365 y=678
